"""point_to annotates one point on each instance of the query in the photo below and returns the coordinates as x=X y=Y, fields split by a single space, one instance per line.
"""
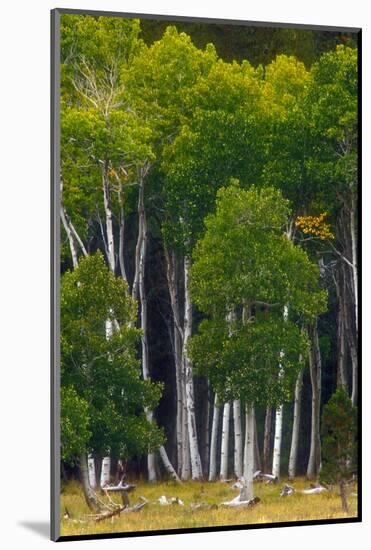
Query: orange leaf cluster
x=315 y=225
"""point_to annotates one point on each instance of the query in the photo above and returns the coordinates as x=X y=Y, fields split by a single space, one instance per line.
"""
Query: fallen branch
x=314 y=490
x=121 y=509
x=288 y=490
x=269 y=478
x=236 y=502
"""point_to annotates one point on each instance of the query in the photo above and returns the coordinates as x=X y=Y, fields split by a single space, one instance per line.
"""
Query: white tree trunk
x=89 y=494
x=276 y=466
x=171 y=274
x=354 y=260
x=314 y=462
x=122 y=233
x=186 y=456
x=106 y=470
x=225 y=442
x=237 y=438
x=151 y=464
x=72 y=235
x=247 y=492
x=179 y=399
x=109 y=217
x=295 y=425
x=353 y=340
x=353 y=351
x=167 y=464
x=214 y=441
x=71 y=242
x=91 y=470
x=196 y=466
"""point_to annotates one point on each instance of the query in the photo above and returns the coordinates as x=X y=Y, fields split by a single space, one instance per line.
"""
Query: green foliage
x=97 y=42
x=339 y=430
x=246 y=266
x=220 y=140
x=102 y=371
x=332 y=105
x=100 y=133
x=160 y=77
x=244 y=256
x=75 y=432
x=244 y=361
x=200 y=123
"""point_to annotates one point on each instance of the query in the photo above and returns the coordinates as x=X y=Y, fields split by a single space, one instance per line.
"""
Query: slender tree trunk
x=353 y=355
x=315 y=377
x=267 y=439
x=237 y=438
x=172 y=278
x=91 y=471
x=276 y=466
x=257 y=461
x=186 y=457
x=109 y=217
x=225 y=442
x=196 y=466
x=122 y=234
x=351 y=333
x=71 y=243
x=206 y=433
x=140 y=270
x=167 y=464
x=214 y=440
x=179 y=399
x=354 y=259
x=90 y=498
x=296 y=425
x=342 y=377
x=106 y=471
x=247 y=492
x=72 y=235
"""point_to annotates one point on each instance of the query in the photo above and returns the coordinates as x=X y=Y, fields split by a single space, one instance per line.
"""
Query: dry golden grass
x=271 y=509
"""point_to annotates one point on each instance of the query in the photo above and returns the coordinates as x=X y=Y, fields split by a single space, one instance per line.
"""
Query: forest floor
x=271 y=509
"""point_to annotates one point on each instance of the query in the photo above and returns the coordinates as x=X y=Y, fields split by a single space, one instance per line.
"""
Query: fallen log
x=269 y=478
x=119 y=487
x=288 y=490
x=314 y=490
x=236 y=502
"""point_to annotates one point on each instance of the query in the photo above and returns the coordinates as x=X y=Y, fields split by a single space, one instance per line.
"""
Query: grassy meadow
x=154 y=516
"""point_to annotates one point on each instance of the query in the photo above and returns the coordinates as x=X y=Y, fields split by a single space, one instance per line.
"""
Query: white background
x=24 y=271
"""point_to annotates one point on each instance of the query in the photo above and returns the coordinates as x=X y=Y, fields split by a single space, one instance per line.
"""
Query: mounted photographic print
x=205 y=208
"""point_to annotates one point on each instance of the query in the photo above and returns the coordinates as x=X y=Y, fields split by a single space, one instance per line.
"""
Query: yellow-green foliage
x=271 y=509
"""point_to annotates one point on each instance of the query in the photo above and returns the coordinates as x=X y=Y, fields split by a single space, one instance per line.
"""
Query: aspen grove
x=209 y=279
